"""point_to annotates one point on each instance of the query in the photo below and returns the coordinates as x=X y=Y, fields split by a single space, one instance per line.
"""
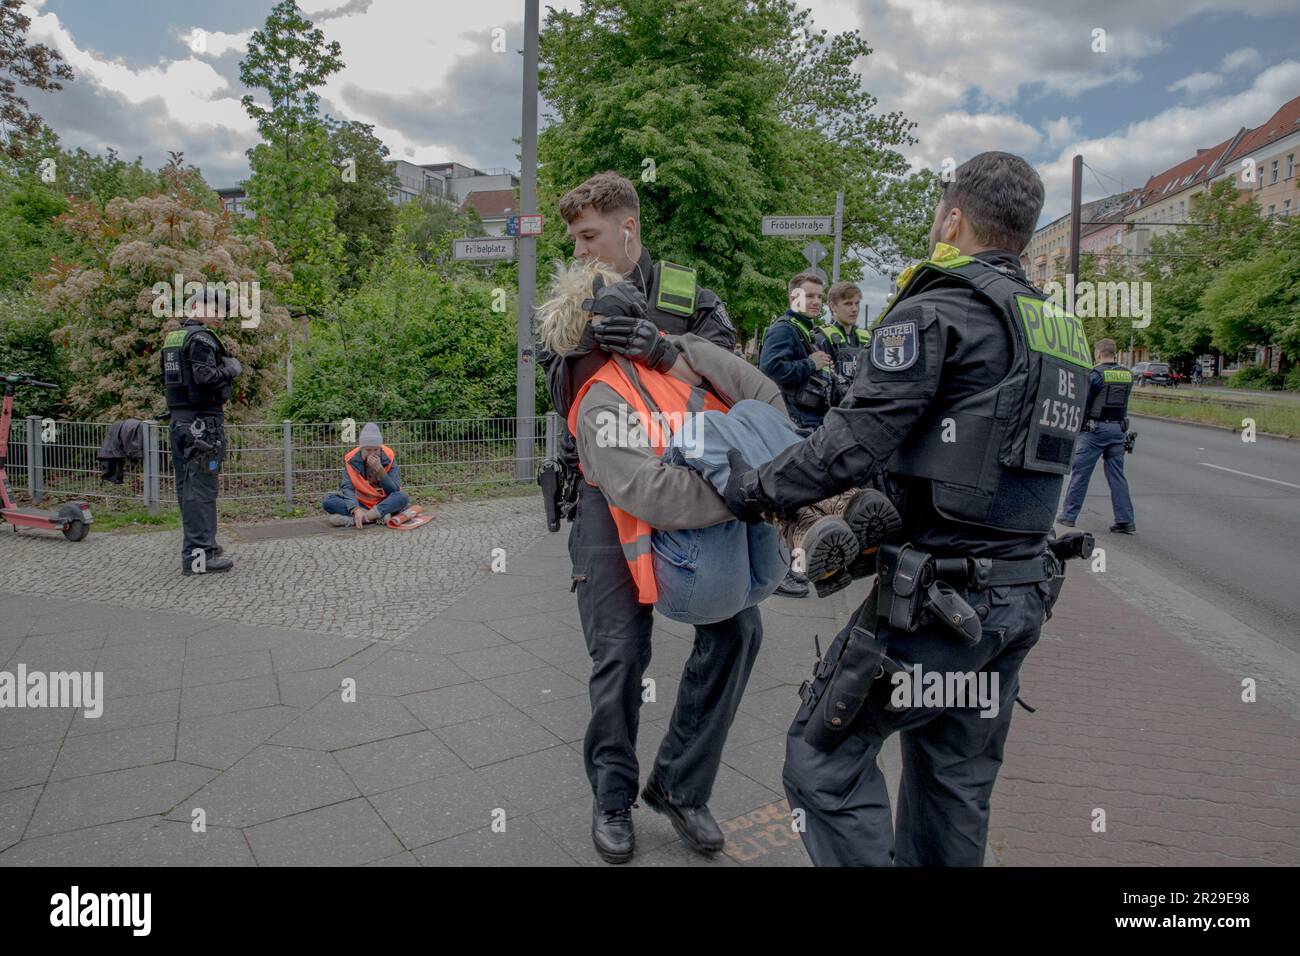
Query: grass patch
x=1279 y=416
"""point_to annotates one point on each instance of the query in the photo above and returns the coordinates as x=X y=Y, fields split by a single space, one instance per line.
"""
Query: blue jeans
x=705 y=575
x=336 y=504
x=1108 y=442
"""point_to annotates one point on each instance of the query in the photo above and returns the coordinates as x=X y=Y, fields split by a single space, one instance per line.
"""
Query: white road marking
x=1246 y=474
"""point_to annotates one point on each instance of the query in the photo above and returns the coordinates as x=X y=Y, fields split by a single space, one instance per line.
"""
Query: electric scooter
x=73 y=518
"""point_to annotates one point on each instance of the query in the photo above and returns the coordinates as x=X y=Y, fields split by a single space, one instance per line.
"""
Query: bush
x=26 y=346
x=1255 y=376
x=411 y=343
x=1292 y=379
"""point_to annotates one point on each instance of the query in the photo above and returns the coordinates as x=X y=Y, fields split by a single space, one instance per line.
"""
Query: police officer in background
x=1105 y=426
x=603 y=218
x=198 y=374
x=841 y=339
x=970 y=397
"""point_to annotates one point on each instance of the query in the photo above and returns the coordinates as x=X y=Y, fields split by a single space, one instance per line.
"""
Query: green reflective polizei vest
x=845 y=350
x=997 y=458
x=672 y=297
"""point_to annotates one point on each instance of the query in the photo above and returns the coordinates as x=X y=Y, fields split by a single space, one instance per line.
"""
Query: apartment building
x=1264 y=163
x=1047 y=256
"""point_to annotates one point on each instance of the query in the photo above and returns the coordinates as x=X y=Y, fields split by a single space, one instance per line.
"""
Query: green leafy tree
x=363 y=211
x=412 y=343
x=429 y=227
x=1257 y=301
x=292 y=189
x=721 y=111
x=32 y=65
x=26 y=346
x=112 y=319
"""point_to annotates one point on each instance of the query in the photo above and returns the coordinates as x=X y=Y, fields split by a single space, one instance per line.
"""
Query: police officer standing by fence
x=198 y=374
x=603 y=219
x=969 y=396
x=1104 y=435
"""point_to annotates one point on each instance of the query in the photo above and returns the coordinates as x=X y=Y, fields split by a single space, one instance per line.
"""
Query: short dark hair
x=843 y=290
x=1105 y=347
x=1001 y=197
x=798 y=281
x=605 y=192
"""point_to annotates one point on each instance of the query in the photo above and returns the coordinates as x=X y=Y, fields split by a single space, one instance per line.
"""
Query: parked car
x=1154 y=373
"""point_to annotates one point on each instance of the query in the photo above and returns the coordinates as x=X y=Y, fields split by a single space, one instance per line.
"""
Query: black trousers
x=617 y=630
x=951 y=756
x=196 y=461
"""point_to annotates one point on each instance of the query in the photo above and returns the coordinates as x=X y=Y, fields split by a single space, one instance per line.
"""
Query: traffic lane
x=1229 y=537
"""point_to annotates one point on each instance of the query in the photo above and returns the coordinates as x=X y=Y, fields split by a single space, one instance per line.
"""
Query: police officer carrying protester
x=603 y=217
x=842 y=340
x=198 y=374
x=969 y=398
x=1105 y=428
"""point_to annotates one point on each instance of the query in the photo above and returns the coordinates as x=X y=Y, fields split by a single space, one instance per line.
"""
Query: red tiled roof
x=491 y=203
x=1282 y=123
x=1186 y=174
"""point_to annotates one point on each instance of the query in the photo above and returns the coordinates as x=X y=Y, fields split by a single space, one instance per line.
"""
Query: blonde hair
x=562 y=314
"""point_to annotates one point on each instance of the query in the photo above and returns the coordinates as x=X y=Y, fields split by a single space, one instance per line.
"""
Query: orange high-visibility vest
x=367 y=493
x=672 y=397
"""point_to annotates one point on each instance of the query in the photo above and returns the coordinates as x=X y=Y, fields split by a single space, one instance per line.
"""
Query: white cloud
x=1194 y=84
x=1247 y=58
x=1062 y=130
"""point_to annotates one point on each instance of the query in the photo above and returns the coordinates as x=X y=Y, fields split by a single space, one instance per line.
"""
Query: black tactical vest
x=1110 y=404
x=997 y=458
x=846 y=348
x=813 y=395
x=178 y=374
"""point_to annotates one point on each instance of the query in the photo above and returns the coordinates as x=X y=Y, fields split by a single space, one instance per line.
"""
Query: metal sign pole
x=525 y=368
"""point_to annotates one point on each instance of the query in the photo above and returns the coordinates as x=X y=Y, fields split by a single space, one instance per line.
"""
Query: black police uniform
x=969 y=399
x=1105 y=429
x=197 y=382
x=845 y=349
x=617 y=627
x=785 y=358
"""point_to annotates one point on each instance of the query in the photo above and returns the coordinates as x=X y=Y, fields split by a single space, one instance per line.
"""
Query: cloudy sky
x=1174 y=76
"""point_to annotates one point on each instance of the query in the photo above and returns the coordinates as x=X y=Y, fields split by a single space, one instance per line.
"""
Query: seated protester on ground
x=663 y=468
x=371 y=488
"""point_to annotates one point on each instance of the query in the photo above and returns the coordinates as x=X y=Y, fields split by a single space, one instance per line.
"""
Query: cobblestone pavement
x=375 y=583
x=471 y=706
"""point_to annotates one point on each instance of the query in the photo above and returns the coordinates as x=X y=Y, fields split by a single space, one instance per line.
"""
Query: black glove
x=621 y=298
x=639 y=340
x=742 y=495
x=232 y=367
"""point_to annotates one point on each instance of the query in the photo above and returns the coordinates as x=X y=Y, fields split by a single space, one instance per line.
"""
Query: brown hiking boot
x=873 y=519
x=828 y=545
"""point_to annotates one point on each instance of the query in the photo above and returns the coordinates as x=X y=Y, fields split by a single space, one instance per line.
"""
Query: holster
x=910 y=589
x=1076 y=544
x=559 y=491
x=840 y=684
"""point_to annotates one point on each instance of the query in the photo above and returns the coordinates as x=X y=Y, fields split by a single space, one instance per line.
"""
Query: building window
x=1271 y=208
x=1274 y=171
x=1290 y=165
x=1286 y=207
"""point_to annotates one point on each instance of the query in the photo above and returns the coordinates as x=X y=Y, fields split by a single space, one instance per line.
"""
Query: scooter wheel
x=74 y=529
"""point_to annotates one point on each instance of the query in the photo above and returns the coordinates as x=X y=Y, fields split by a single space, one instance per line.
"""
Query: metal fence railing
x=285 y=462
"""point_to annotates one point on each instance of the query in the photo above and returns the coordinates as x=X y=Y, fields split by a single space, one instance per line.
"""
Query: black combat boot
x=695 y=825
x=213 y=566
x=611 y=832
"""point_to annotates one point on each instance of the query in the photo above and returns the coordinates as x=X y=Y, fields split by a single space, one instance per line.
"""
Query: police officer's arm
x=1095 y=383
x=711 y=320
x=857 y=438
x=205 y=362
x=782 y=359
x=633 y=478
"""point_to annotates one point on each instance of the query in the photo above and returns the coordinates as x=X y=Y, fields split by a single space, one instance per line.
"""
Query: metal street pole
x=839 y=229
x=525 y=369
x=1076 y=201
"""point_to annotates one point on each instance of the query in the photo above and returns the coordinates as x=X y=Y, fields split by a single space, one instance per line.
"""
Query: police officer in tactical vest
x=198 y=374
x=969 y=399
x=1104 y=435
x=603 y=217
x=790 y=356
x=841 y=339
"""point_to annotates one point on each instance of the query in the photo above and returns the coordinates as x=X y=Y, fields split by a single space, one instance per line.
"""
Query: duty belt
x=982 y=573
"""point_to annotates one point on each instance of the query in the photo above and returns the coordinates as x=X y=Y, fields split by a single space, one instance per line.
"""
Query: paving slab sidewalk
x=225 y=741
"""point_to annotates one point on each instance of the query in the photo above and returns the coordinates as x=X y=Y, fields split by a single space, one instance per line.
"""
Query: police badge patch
x=894 y=347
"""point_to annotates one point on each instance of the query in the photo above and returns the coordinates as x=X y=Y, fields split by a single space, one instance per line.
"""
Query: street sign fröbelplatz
x=484 y=249
x=794 y=226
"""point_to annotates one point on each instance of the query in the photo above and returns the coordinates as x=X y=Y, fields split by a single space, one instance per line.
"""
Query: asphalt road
x=1215 y=515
